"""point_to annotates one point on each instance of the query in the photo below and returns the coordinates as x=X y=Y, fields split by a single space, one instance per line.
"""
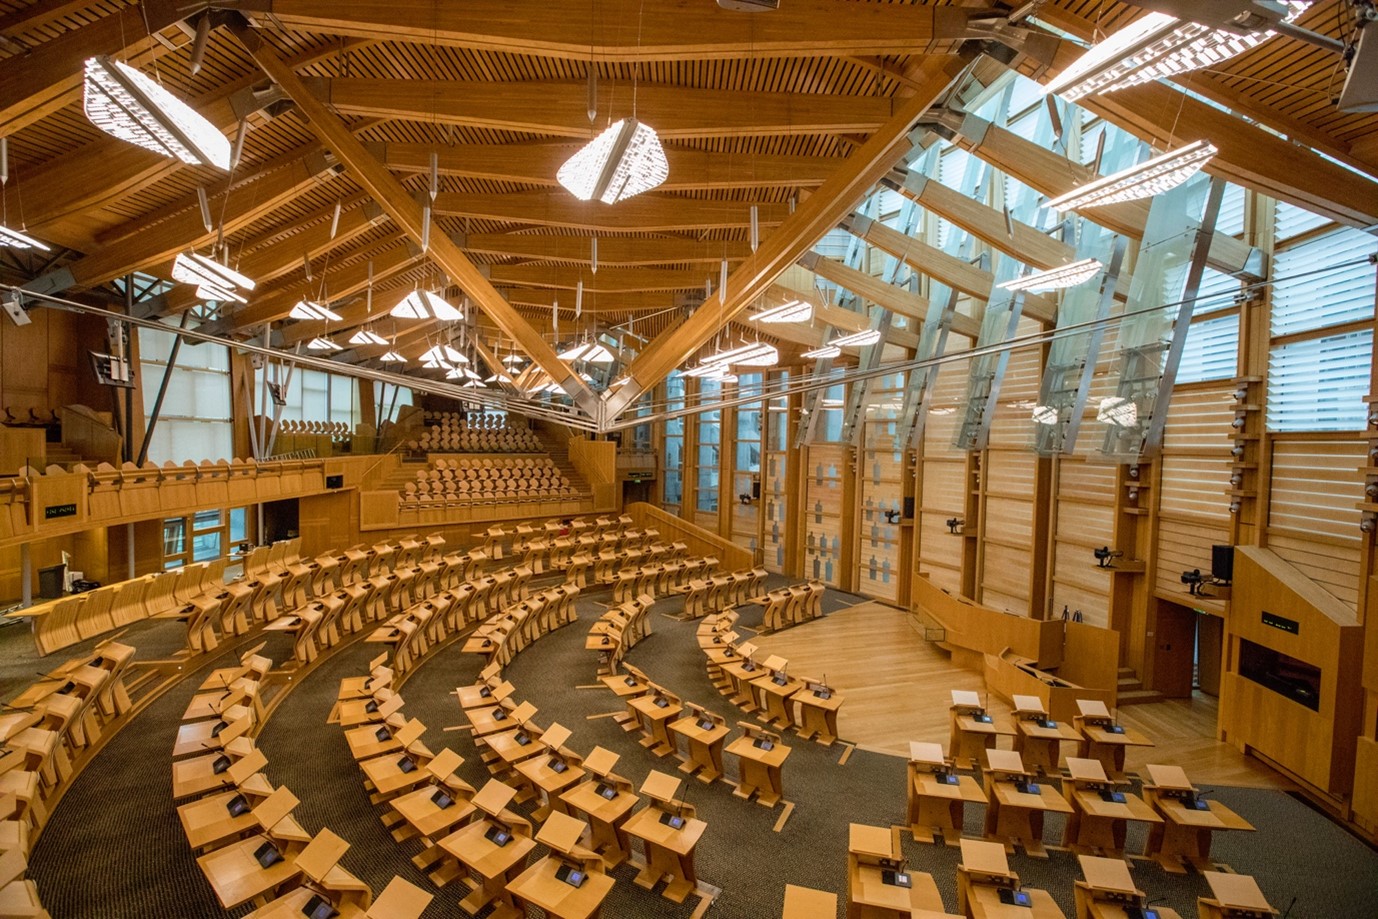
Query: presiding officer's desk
x=1016 y=803
x=1233 y=896
x=1189 y=821
x=973 y=729
x=937 y=795
x=1103 y=738
x=1108 y=892
x=1100 y=812
x=670 y=832
x=985 y=883
x=878 y=886
x=1040 y=738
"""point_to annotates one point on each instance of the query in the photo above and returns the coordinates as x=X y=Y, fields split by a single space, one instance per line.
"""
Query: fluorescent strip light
x=858 y=339
x=435 y=363
x=1118 y=411
x=623 y=161
x=17 y=240
x=474 y=384
x=755 y=354
x=1056 y=278
x=125 y=103
x=308 y=309
x=709 y=371
x=512 y=359
x=1154 y=47
x=322 y=344
x=793 y=311
x=444 y=353
x=392 y=357
x=367 y=337
x=498 y=378
x=1149 y=178
x=422 y=304
x=213 y=280
x=824 y=352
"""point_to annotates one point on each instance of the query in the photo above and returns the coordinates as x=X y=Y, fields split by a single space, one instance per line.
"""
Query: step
x=1127 y=684
x=1139 y=697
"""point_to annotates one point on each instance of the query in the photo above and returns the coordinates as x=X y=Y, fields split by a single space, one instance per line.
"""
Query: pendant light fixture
x=625 y=160
x=308 y=309
x=1059 y=278
x=422 y=304
x=791 y=311
x=367 y=337
x=858 y=339
x=213 y=280
x=823 y=353
x=322 y=344
x=1149 y=178
x=125 y=103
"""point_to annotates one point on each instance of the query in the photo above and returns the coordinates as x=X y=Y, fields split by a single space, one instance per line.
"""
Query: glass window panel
x=1309 y=293
x=205 y=546
x=239 y=528
x=205 y=520
x=1290 y=220
x=1319 y=384
x=174 y=536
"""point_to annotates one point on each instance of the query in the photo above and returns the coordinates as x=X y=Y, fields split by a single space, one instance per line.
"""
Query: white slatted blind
x=1307 y=298
x=1231 y=217
x=1290 y=220
x=1217 y=292
x=1210 y=350
x=1319 y=384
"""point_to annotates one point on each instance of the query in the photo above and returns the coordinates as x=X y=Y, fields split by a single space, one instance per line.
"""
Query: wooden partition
x=20 y=447
x=972 y=627
x=700 y=541
x=1009 y=675
x=596 y=461
x=1301 y=711
x=1090 y=656
x=90 y=434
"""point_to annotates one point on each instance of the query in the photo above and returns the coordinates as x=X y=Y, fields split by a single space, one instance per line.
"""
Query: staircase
x=61 y=455
x=559 y=455
x=1131 y=691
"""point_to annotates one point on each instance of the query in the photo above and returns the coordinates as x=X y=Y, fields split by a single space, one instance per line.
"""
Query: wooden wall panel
x=1334 y=566
x=1182 y=546
x=944 y=482
x=1005 y=584
x=43 y=365
x=1315 y=486
x=825 y=466
x=1195 y=486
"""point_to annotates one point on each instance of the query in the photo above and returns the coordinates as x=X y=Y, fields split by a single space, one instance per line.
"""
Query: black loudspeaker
x=908 y=513
x=1222 y=563
x=334 y=481
x=756 y=490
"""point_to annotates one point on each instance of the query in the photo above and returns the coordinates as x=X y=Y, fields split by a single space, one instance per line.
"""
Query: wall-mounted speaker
x=755 y=489
x=1222 y=563
x=908 y=513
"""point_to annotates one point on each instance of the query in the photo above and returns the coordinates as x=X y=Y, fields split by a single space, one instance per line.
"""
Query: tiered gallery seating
x=453 y=432
x=453 y=482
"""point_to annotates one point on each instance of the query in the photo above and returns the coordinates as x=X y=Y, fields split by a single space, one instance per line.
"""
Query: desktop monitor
x=237 y=806
x=571 y=876
x=319 y=908
x=498 y=836
x=1012 y=897
x=406 y=764
x=762 y=743
x=606 y=791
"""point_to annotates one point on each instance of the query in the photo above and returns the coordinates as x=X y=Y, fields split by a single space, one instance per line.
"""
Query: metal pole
x=25 y=575
x=129 y=538
x=121 y=331
x=162 y=393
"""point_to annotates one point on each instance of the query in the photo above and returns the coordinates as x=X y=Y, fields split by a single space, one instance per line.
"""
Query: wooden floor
x=897 y=689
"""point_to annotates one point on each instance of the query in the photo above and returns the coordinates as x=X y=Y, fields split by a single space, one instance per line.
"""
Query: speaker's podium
x=878 y=885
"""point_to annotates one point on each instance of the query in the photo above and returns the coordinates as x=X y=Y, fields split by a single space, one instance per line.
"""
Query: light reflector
x=623 y=161
x=213 y=280
x=422 y=304
x=858 y=339
x=444 y=353
x=392 y=357
x=755 y=354
x=17 y=240
x=367 y=337
x=793 y=311
x=125 y=103
x=323 y=344
x=1056 y=278
x=1149 y=178
x=310 y=310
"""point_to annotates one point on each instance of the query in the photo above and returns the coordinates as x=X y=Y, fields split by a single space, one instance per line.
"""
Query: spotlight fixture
x=367 y=337
x=213 y=280
x=892 y=516
x=858 y=339
x=125 y=103
x=1367 y=521
x=744 y=497
x=824 y=352
x=1151 y=177
x=791 y=311
x=1118 y=411
x=1152 y=48
x=17 y=240
x=1194 y=580
x=309 y=309
x=1056 y=278
x=955 y=525
x=322 y=344
x=392 y=357
x=422 y=304
x=625 y=160
x=1105 y=555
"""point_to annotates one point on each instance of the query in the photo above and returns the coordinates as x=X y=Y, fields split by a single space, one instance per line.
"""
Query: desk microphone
x=1288 y=911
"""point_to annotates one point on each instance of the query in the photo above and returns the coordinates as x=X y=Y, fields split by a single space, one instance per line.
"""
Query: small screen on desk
x=779 y=678
x=1138 y=912
x=1028 y=788
x=499 y=714
x=1112 y=797
x=895 y=878
x=606 y=791
x=748 y=666
x=946 y=778
x=220 y=765
x=1015 y=897
x=1047 y=723
x=673 y=821
x=219 y=726
x=1114 y=729
x=705 y=724
x=521 y=739
x=982 y=719
x=630 y=680
x=1197 y=804
x=662 y=702
x=557 y=765
x=485 y=692
x=318 y=908
x=571 y=876
x=442 y=800
x=762 y=743
x=406 y=764
x=382 y=734
x=498 y=836
x=371 y=707
x=237 y=805
x=267 y=855
x=823 y=693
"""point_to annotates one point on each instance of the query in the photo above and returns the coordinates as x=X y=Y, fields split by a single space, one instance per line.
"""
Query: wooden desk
x=549 y=783
x=605 y=816
x=775 y=699
x=669 y=852
x=807 y=903
x=1232 y=895
x=818 y=714
x=760 y=771
x=491 y=867
x=509 y=748
x=485 y=721
x=626 y=687
x=1101 y=742
x=742 y=674
x=655 y=721
x=237 y=877
x=1184 y=836
x=207 y=821
x=981 y=876
x=1014 y=816
x=705 y=747
x=1101 y=825
x=935 y=804
x=385 y=774
x=971 y=737
x=1039 y=739
x=1108 y=890
x=423 y=816
x=539 y=887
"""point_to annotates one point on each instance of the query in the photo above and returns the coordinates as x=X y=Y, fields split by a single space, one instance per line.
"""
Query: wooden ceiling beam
x=646 y=213
x=407 y=213
x=820 y=212
x=607 y=280
x=613 y=251
x=883 y=294
x=959 y=274
x=537 y=164
x=545 y=298
x=628 y=31
x=547 y=108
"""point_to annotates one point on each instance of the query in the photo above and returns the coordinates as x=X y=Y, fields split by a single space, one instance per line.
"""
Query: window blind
x=1307 y=298
x=1319 y=384
x=1210 y=350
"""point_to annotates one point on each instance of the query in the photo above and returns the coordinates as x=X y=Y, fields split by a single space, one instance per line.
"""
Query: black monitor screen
x=558 y=765
x=662 y=702
x=237 y=805
x=382 y=734
x=606 y=791
x=442 y=800
x=763 y=744
x=318 y=908
x=705 y=725
x=571 y=876
x=220 y=765
x=895 y=878
x=267 y=855
x=371 y=707
x=498 y=836
x=219 y=726
x=1014 y=897
x=406 y=764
